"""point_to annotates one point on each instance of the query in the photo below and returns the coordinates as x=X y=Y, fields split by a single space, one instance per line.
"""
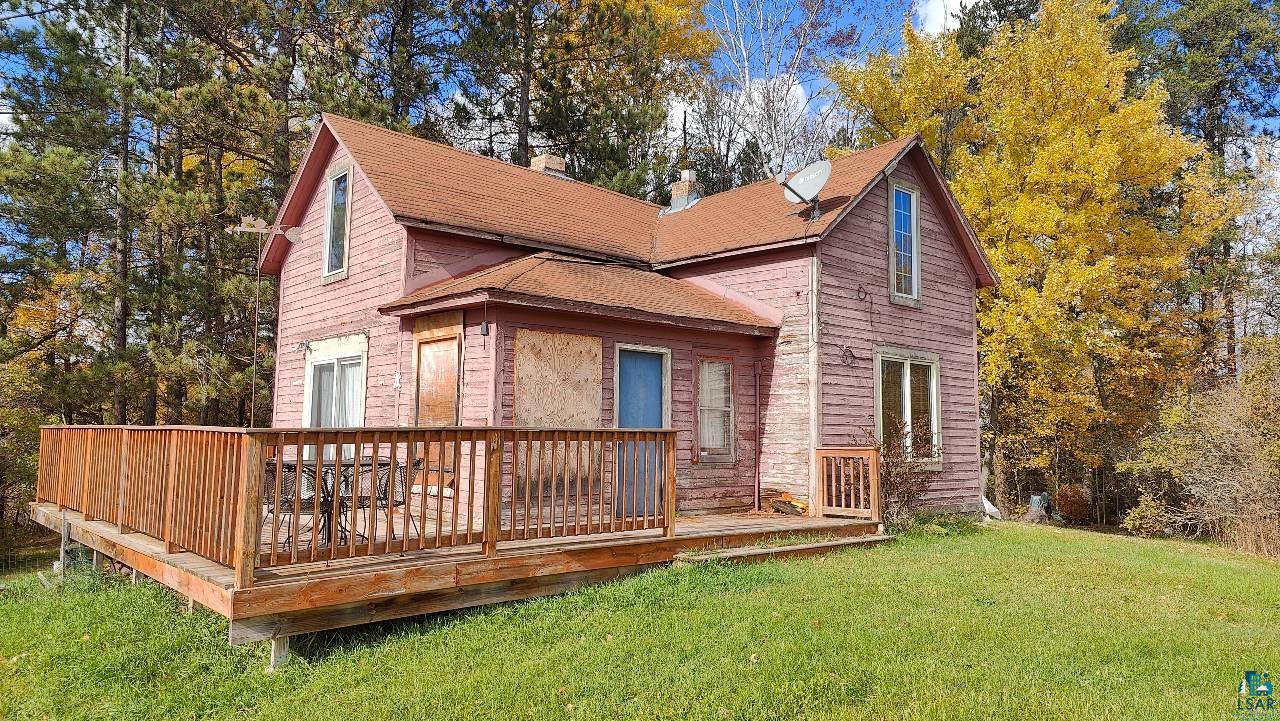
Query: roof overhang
x=506 y=297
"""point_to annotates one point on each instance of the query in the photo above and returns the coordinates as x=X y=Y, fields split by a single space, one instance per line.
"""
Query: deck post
x=123 y=473
x=248 y=511
x=170 y=480
x=874 y=462
x=492 y=491
x=279 y=652
x=669 y=485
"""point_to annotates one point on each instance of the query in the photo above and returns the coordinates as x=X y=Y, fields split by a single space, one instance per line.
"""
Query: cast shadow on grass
x=665 y=588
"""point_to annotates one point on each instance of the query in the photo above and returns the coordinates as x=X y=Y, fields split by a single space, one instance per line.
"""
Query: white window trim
x=906 y=357
x=912 y=298
x=335 y=173
x=329 y=350
x=666 y=377
x=712 y=458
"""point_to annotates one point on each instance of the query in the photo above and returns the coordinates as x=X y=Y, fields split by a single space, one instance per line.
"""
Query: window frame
x=908 y=299
x=335 y=350
x=908 y=357
x=334 y=173
x=729 y=457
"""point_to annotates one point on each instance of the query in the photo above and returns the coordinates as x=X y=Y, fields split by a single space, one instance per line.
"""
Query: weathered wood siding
x=856 y=255
x=702 y=487
x=779 y=279
x=313 y=310
x=381 y=264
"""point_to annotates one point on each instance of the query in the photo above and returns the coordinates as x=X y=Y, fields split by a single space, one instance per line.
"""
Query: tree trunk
x=523 y=121
x=122 y=249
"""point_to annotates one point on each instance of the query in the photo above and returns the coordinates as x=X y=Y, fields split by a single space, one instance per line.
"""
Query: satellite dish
x=805 y=185
x=294 y=234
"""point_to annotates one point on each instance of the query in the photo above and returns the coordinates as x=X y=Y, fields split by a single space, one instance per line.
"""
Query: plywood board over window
x=437 y=369
x=557 y=379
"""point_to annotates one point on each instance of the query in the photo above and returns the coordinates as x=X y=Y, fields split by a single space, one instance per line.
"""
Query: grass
x=1006 y=622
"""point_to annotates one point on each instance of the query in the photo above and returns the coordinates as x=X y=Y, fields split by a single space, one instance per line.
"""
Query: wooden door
x=437 y=391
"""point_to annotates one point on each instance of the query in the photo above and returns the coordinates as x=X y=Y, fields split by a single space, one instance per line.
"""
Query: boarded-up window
x=437 y=394
x=557 y=379
x=715 y=410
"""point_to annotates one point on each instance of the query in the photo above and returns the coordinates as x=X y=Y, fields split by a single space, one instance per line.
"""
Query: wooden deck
x=306 y=597
x=286 y=531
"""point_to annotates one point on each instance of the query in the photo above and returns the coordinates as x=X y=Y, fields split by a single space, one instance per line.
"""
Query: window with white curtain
x=909 y=404
x=335 y=384
x=715 y=410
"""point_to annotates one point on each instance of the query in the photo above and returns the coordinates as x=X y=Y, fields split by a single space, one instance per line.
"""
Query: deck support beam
x=279 y=652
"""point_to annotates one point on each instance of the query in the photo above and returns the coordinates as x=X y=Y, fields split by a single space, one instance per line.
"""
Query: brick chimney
x=549 y=164
x=685 y=190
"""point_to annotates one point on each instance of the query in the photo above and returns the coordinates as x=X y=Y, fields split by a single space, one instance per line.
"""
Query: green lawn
x=1009 y=621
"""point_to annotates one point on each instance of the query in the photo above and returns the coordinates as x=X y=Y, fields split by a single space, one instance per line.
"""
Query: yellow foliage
x=922 y=89
x=1087 y=202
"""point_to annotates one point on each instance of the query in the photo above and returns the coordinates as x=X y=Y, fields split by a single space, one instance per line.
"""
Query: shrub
x=903 y=481
x=1216 y=457
x=1145 y=520
x=1072 y=503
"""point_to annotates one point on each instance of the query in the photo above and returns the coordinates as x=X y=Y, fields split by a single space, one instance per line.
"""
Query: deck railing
x=260 y=498
x=849 y=482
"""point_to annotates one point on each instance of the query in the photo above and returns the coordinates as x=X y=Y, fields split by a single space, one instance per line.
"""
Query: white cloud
x=934 y=16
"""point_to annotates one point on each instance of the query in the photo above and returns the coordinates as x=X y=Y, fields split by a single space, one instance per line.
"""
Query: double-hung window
x=337 y=223
x=715 y=411
x=904 y=243
x=908 y=403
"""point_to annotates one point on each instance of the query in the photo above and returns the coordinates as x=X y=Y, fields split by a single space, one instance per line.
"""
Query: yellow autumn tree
x=924 y=88
x=1088 y=204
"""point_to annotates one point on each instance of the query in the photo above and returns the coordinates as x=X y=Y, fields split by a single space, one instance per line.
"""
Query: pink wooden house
x=430 y=286
x=495 y=382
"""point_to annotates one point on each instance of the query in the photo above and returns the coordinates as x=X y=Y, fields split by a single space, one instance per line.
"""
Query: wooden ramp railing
x=849 y=482
x=260 y=498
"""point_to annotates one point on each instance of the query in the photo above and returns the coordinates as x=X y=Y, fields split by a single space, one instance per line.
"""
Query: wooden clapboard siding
x=311 y=309
x=856 y=255
x=436 y=256
x=778 y=279
x=702 y=487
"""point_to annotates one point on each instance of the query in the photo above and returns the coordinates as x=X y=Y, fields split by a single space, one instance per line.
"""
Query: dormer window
x=338 y=223
x=904 y=244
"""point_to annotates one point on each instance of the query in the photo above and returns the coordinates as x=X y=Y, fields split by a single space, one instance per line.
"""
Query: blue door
x=640 y=397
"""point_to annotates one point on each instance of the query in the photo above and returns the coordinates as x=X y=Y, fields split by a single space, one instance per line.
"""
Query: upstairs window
x=715 y=411
x=909 y=403
x=339 y=212
x=904 y=262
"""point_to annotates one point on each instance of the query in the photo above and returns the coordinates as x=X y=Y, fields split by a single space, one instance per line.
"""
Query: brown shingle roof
x=591 y=286
x=426 y=181
x=759 y=214
x=440 y=186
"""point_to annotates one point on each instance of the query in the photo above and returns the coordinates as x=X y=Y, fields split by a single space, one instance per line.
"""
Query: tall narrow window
x=715 y=411
x=909 y=404
x=339 y=210
x=905 y=261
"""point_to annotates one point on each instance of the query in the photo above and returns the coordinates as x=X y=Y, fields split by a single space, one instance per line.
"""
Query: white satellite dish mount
x=805 y=185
